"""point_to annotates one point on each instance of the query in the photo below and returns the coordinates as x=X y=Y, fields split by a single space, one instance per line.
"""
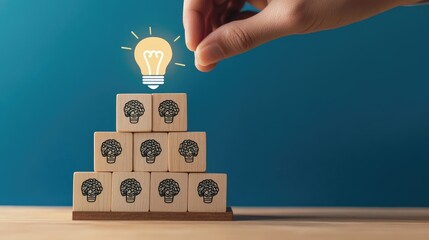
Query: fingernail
x=195 y=59
x=209 y=54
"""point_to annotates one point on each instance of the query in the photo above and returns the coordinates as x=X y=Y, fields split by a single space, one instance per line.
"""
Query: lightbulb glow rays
x=153 y=55
x=135 y=35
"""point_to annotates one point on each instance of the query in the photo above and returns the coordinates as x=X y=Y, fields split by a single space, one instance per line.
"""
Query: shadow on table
x=333 y=218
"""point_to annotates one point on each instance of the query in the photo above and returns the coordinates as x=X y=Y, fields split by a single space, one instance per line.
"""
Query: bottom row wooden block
x=155 y=192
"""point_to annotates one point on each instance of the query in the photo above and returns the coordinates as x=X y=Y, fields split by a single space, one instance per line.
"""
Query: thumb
x=239 y=36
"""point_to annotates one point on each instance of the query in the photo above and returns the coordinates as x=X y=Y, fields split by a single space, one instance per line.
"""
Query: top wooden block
x=170 y=113
x=134 y=112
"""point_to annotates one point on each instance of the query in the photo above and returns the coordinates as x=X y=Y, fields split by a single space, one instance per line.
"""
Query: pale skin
x=216 y=29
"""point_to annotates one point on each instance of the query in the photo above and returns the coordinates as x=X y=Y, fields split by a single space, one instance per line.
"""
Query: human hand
x=217 y=29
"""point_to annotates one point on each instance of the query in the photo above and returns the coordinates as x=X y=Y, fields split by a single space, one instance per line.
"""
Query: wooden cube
x=130 y=191
x=150 y=152
x=134 y=112
x=187 y=152
x=170 y=112
x=92 y=191
x=113 y=152
x=168 y=192
x=207 y=192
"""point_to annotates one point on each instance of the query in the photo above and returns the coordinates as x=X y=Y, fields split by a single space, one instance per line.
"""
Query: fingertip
x=193 y=30
x=191 y=46
x=189 y=41
x=209 y=54
x=202 y=68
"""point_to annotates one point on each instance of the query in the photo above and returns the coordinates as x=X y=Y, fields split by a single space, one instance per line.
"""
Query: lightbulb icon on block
x=153 y=54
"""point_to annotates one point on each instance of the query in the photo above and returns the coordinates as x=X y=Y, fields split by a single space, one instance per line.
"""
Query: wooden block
x=134 y=112
x=113 y=152
x=151 y=216
x=168 y=192
x=130 y=191
x=187 y=152
x=151 y=152
x=92 y=191
x=170 y=112
x=207 y=192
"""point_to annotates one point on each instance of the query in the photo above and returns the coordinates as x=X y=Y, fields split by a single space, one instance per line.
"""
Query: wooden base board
x=163 y=216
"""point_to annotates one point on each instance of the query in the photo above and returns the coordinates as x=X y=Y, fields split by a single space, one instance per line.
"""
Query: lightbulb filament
x=148 y=54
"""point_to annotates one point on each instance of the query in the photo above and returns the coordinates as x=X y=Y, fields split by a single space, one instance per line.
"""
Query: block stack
x=151 y=163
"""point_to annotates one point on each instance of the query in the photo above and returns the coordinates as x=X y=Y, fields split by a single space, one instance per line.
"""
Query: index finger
x=194 y=12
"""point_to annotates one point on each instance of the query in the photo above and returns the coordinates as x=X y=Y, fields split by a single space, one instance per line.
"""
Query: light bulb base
x=153 y=81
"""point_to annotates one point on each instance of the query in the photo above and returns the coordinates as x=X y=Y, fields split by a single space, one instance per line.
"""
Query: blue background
x=337 y=118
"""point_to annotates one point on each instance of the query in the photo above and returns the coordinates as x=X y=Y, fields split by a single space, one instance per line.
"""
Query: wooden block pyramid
x=151 y=168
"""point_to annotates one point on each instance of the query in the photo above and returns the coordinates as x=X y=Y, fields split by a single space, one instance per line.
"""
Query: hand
x=216 y=29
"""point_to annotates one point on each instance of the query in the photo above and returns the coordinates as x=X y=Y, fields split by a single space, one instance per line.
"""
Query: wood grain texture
x=210 y=201
x=130 y=120
x=178 y=123
x=122 y=162
x=138 y=203
x=151 y=164
x=174 y=199
x=88 y=200
x=46 y=223
x=163 y=216
x=180 y=163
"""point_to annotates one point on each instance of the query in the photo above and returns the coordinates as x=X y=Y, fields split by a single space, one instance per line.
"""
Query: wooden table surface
x=249 y=223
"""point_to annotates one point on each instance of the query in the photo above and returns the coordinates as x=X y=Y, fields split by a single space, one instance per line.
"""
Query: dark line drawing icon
x=91 y=188
x=134 y=110
x=168 y=188
x=111 y=149
x=150 y=149
x=130 y=188
x=188 y=149
x=207 y=189
x=168 y=109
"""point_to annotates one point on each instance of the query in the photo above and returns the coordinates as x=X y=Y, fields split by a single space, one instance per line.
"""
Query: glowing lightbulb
x=153 y=54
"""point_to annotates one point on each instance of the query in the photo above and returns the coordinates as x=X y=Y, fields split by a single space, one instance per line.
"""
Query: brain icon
x=130 y=188
x=168 y=109
x=168 y=188
x=134 y=110
x=111 y=149
x=150 y=149
x=91 y=188
x=207 y=189
x=188 y=149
